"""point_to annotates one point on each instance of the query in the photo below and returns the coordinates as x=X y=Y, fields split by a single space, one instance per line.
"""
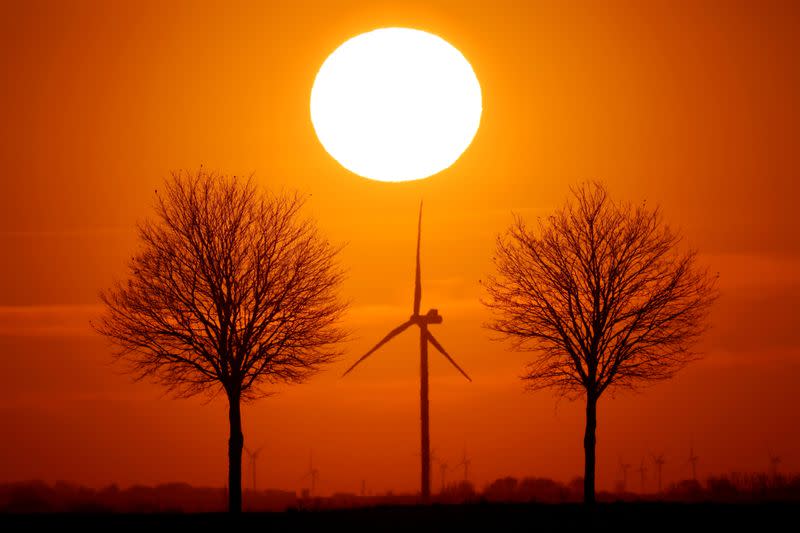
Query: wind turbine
x=253 y=455
x=425 y=337
x=443 y=470
x=312 y=473
x=465 y=463
x=642 y=473
x=774 y=461
x=624 y=467
x=693 y=461
x=659 y=462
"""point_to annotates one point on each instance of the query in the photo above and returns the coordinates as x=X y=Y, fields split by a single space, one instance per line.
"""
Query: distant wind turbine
x=693 y=461
x=659 y=462
x=313 y=474
x=642 y=474
x=253 y=455
x=443 y=470
x=465 y=464
x=425 y=337
x=624 y=467
x=774 y=462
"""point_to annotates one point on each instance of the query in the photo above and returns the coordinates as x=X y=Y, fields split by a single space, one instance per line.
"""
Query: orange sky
x=693 y=107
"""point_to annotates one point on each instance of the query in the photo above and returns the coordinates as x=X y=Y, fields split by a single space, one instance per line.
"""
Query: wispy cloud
x=70 y=232
x=74 y=320
x=755 y=270
x=48 y=320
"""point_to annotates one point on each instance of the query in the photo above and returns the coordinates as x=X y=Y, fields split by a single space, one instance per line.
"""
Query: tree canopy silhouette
x=603 y=296
x=231 y=290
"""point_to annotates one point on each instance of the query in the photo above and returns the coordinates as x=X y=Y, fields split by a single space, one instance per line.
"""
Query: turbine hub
x=431 y=317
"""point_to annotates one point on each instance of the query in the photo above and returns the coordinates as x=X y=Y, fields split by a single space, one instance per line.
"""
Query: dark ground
x=474 y=517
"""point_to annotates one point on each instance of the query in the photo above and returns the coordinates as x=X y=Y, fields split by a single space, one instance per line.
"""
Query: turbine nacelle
x=431 y=317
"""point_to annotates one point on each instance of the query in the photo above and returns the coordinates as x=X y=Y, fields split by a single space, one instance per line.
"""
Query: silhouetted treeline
x=37 y=496
x=730 y=488
x=738 y=487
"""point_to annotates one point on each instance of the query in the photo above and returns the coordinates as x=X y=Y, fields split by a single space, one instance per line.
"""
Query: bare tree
x=604 y=298
x=231 y=291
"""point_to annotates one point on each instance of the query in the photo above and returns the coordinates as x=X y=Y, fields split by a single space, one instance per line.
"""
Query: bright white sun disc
x=396 y=104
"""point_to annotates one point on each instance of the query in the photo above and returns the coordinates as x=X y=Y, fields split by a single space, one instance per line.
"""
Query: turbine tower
x=774 y=461
x=253 y=455
x=443 y=470
x=465 y=464
x=659 y=462
x=312 y=473
x=624 y=467
x=642 y=474
x=425 y=337
x=693 y=461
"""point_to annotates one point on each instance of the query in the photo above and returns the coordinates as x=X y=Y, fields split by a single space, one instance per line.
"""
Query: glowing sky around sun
x=396 y=104
x=691 y=106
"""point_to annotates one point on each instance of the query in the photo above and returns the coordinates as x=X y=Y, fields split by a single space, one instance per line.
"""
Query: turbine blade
x=438 y=346
x=395 y=332
x=417 y=281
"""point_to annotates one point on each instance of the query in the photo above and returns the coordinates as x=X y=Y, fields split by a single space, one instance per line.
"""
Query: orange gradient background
x=691 y=106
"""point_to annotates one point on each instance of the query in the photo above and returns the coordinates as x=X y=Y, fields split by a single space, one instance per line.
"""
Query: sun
x=396 y=104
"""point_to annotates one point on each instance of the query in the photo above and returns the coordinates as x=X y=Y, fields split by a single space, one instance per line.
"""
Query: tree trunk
x=425 y=451
x=589 y=444
x=235 y=444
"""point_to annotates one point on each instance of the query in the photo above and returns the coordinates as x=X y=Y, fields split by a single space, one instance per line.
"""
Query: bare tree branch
x=229 y=289
x=601 y=293
x=604 y=298
x=232 y=291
